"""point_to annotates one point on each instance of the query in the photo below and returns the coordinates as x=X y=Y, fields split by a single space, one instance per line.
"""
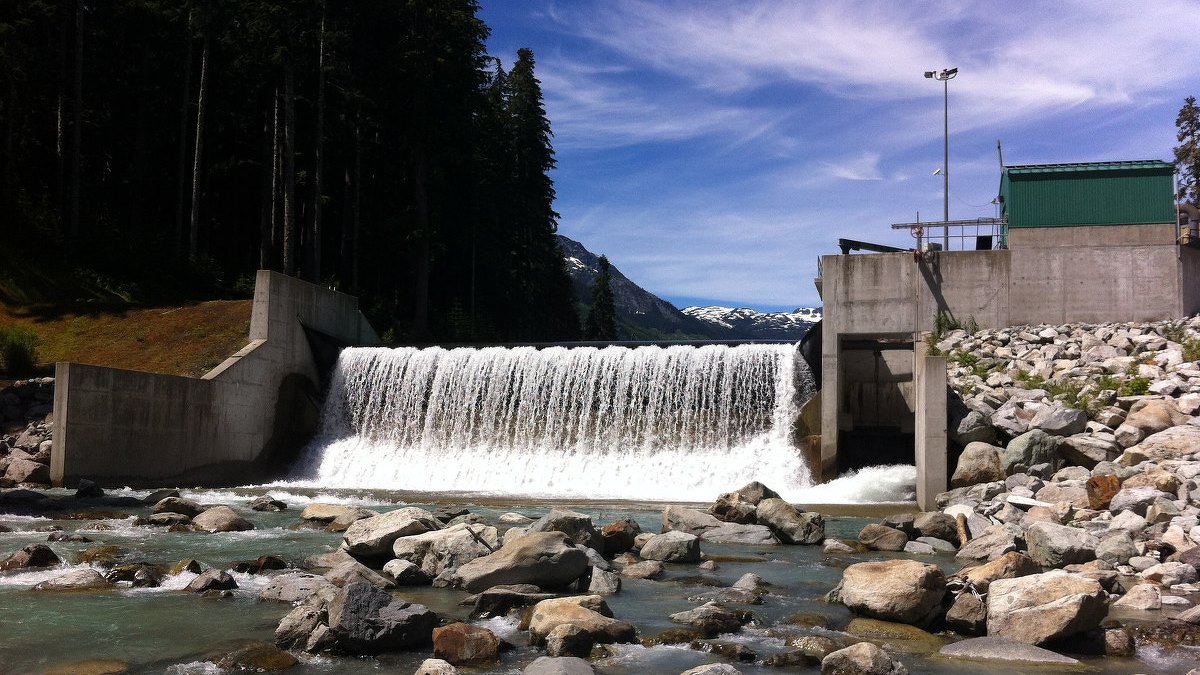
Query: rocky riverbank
x=25 y=433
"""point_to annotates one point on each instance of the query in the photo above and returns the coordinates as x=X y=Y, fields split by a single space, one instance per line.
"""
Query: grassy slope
x=98 y=326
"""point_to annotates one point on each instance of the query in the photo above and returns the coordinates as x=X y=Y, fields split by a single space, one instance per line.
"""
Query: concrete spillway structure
x=235 y=424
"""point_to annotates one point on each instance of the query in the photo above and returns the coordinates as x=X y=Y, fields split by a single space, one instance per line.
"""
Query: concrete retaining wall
x=233 y=426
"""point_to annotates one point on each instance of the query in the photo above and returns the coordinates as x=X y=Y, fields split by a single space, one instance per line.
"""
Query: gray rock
x=604 y=582
x=1058 y=420
x=86 y=579
x=998 y=540
x=1087 y=450
x=375 y=536
x=546 y=559
x=1005 y=649
x=882 y=538
x=335 y=517
x=974 y=427
x=967 y=615
x=648 y=569
x=1052 y=545
x=292 y=587
x=712 y=669
x=710 y=529
x=935 y=524
x=712 y=619
x=672 y=546
x=438 y=551
x=1173 y=443
x=436 y=667
x=577 y=526
x=789 y=524
x=1142 y=597
x=1030 y=449
x=500 y=600
x=1043 y=607
x=405 y=573
x=1137 y=500
x=368 y=620
x=558 y=665
x=221 y=519
x=1116 y=547
x=212 y=580
x=936 y=544
x=979 y=463
x=587 y=612
x=187 y=507
x=864 y=658
x=350 y=572
x=905 y=591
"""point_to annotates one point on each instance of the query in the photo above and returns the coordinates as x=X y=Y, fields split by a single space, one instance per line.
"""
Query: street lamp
x=944 y=76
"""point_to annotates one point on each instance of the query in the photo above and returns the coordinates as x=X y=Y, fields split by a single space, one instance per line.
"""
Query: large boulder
x=1008 y=566
x=1151 y=416
x=546 y=559
x=588 y=612
x=904 y=591
x=864 y=658
x=882 y=538
x=292 y=587
x=177 y=504
x=440 y=550
x=1088 y=450
x=712 y=619
x=460 y=643
x=1059 y=420
x=1173 y=443
x=672 y=546
x=1029 y=449
x=33 y=555
x=221 y=519
x=334 y=517
x=374 y=536
x=1100 y=489
x=1137 y=500
x=86 y=579
x=1005 y=650
x=619 y=535
x=732 y=507
x=978 y=463
x=500 y=600
x=1052 y=545
x=1042 y=607
x=935 y=524
x=577 y=526
x=367 y=620
x=994 y=543
x=21 y=470
x=791 y=525
x=558 y=665
x=709 y=529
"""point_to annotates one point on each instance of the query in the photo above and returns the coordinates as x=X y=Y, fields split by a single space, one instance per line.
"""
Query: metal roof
x=1072 y=167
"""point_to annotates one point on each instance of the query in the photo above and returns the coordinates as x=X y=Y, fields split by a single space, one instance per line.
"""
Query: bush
x=18 y=350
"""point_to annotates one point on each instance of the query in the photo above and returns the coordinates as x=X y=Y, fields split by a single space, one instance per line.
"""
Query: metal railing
x=978 y=234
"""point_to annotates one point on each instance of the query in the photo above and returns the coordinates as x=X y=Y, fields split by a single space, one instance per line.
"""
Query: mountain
x=641 y=315
x=754 y=325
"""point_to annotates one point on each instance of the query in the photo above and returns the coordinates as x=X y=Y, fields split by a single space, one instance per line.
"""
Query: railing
x=979 y=234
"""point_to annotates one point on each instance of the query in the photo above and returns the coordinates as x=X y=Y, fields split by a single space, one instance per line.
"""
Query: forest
x=174 y=147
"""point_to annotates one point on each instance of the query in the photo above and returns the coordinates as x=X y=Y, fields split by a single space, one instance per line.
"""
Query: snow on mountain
x=759 y=325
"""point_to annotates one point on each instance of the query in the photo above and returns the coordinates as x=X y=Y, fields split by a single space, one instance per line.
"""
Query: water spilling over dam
x=644 y=423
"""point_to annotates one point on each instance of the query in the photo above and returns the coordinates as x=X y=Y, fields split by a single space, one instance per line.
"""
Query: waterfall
x=645 y=423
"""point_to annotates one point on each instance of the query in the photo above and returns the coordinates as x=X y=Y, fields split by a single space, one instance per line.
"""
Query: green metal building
x=1092 y=193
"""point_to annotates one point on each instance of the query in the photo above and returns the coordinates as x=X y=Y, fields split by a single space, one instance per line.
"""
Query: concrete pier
x=237 y=424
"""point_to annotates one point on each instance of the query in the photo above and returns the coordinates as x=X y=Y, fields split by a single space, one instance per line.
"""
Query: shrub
x=1191 y=350
x=18 y=350
x=1135 y=386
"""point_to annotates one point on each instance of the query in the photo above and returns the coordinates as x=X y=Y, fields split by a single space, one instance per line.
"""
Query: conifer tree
x=602 y=316
x=1187 y=153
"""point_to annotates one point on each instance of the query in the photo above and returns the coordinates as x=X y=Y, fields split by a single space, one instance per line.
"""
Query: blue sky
x=714 y=149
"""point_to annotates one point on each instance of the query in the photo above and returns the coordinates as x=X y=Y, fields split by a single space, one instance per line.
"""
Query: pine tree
x=1187 y=153
x=602 y=316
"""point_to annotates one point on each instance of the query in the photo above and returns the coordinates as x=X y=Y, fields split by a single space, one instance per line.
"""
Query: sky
x=714 y=149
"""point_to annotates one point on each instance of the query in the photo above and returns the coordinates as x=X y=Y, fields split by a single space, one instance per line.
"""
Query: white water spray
x=647 y=423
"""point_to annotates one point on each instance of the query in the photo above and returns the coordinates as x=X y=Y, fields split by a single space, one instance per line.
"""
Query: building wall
x=127 y=427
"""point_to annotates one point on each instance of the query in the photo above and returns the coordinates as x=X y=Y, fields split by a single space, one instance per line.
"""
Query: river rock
x=973 y=427
x=257 y=657
x=712 y=669
x=76 y=580
x=791 y=525
x=994 y=543
x=33 y=555
x=187 y=507
x=335 y=517
x=1170 y=573
x=460 y=643
x=267 y=503
x=732 y=507
x=967 y=615
x=1030 y=449
x=1005 y=650
x=1116 y=547
x=546 y=559
x=649 y=569
x=292 y=587
x=569 y=640
x=221 y=519
x=27 y=471
x=1088 y=450
x=435 y=667
x=1008 y=566
x=882 y=538
x=212 y=580
x=619 y=535
x=1137 y=500
x=1142 y=597
x=1051 y=545
x=864 y=658
x=1043 y=607
x=438 y=551
x=374 y=536
x=352 y=571
x=587 y=612
x=577 y=526
x=1101 y=489
x=500 y=600
x=978 y=463
x=405 y=573
x=712 y=619
x=935 y=524
x=674 y=546
x=709 y=529
x=558 y=665
x=1058 y=420
x=604 y=582
x=367 y=620
x=905 y=591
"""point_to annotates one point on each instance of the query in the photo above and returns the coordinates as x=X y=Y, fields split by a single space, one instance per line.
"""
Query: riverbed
x=169 y=630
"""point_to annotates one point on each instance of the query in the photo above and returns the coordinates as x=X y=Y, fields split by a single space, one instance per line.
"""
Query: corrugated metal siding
x=1105 y=197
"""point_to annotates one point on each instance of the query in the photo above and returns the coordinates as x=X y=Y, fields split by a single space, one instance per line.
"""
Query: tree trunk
x=181 y=172
x=266 y=193
x=289 y=169
x=276 y=158
x=76 y=135
x=314 y=249
x=198 y=155
x=60 y=140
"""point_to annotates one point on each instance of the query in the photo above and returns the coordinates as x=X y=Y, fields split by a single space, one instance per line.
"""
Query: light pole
x=944 y=76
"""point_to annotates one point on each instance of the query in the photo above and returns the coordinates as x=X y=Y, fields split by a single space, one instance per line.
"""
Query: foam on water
x=676 y=423
x=872 y=484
